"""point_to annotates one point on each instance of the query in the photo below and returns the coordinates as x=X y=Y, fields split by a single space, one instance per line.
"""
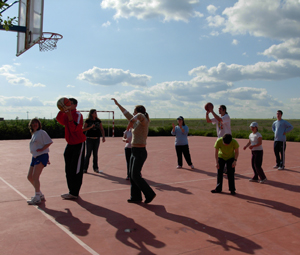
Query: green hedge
x=18 y=129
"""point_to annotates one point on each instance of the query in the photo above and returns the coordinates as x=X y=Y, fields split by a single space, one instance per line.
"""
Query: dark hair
x=142 y=109
x=73 y=100
x=181 y=118
x=227 y=138
x=31 y=122
x=280 y=111
x=90 y=114
x=224 y=108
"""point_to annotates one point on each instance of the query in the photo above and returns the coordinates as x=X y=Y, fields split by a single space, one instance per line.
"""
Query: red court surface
x=184 y=218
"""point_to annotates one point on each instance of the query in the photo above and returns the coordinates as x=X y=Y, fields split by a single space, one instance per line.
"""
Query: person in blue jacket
x=181 y=142
x=280 y=127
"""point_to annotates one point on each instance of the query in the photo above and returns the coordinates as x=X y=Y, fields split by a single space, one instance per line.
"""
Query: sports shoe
x=232 y=192
x=253 y=180
x=263 y=181
x=276 y=166
x=100 y=171
x=178 y=167
x=42 y=197
x=281 y=168
x=192 y=167
x=148 y=200
x=215 y=191
x=68 y=196
x=34 y=201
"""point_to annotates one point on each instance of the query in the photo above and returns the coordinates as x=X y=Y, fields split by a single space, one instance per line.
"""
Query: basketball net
x=48 y=41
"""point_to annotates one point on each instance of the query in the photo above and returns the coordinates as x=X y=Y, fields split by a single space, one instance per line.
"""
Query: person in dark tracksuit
x=74 y=151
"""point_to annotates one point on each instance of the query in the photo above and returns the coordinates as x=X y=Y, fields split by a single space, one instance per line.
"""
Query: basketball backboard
x=31 y=13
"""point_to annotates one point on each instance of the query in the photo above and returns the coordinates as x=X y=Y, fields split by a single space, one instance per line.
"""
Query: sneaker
x=68 y=196
x=215 y=191
x=232 y=193
x=148 y=200
x=275 y=166
x=34 y=201
x=178 y=167
x=253 y=180
x=42 y=197
x=100 y=171
x=192 y=167
x=96 y=170
x=263 y=181
x=281 y=168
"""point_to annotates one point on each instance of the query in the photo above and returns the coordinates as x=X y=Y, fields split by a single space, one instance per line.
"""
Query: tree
x=6 y=23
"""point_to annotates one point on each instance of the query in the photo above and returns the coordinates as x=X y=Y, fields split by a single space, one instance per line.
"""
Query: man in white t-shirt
x=222 y=122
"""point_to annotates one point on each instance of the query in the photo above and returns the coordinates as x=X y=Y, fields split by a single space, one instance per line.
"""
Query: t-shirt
x=254 y=140
x=222 y=127
x=38 y=140
x=140 y=128
x=279 y=127
x=181 y=137
x=128 y=135
x=95 y=131
x=226 y=151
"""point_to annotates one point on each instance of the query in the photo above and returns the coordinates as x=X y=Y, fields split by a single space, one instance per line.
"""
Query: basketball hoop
x=48 y=41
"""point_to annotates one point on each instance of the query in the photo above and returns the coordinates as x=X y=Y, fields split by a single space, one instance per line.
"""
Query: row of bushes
x=18 y=129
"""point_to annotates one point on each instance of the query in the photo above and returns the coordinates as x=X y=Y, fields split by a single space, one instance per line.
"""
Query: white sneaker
x=263 y=181
x=276 y=167
x=42 y=197
x=178 y=167
x=34 y=201
x=281 y=168
x=68 y=196
x=100 y=171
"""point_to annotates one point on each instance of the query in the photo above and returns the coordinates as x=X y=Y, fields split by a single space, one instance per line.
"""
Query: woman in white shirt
x=39 y=148
x=255 y=144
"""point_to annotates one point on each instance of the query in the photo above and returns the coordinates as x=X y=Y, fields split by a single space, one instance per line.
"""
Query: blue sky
x=172 y=56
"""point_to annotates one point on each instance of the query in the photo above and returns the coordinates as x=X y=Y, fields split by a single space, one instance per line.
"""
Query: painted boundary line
x=75 y=238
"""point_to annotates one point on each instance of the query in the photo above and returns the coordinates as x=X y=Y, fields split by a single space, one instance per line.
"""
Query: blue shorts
x=40 y=159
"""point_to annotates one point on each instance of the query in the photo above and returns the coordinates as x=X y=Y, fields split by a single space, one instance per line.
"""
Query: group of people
x=79 y=134
x=227 y=148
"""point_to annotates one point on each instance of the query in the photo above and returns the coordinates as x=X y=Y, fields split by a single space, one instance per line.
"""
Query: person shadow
x=223 y=237
x=276 y=184
x=156 y=185
x=279 y=206
x=66 y=218
x=127 y=228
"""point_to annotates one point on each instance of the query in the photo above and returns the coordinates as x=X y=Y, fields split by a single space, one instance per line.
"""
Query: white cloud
x=106 y=24
x=70 y=86
x=16 y=79
x=215 y=21
x=235 y=42
x=179 y=10
x=290 y=49
x=275 y=19
x=211 y=9
x=112 y=76
x=214 y=33
x=20 y=101
x=274 y=70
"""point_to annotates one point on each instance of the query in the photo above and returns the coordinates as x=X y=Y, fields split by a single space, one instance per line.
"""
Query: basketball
x=208 y=106
x=63 y=103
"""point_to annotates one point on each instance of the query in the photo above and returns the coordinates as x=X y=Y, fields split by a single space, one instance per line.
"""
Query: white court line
x=75 y=238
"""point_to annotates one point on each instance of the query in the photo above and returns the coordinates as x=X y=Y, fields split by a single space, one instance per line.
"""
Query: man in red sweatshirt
x=74 y=152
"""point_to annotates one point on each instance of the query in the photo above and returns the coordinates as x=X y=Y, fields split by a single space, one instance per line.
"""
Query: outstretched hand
x=116 y=102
